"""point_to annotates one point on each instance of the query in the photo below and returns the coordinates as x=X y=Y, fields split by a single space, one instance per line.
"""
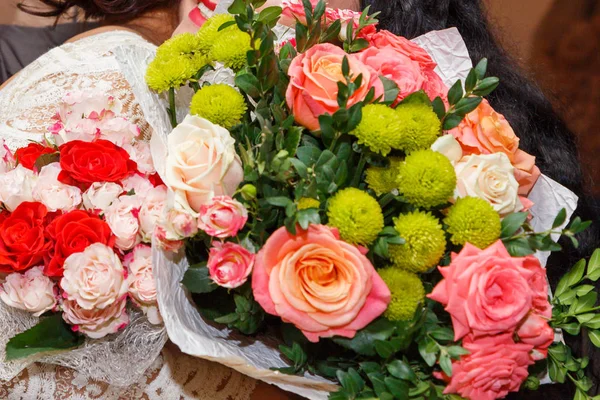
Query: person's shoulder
x=105 y=31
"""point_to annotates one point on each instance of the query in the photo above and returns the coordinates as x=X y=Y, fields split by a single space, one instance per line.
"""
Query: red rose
x=155 y=180
x=73 y=233
x=27 y=156
x=84 y=163
x=22 y=240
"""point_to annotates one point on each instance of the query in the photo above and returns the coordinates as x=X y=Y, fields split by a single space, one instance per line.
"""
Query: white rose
x=98 y=322
x=7 y=160
x=100 y=195
x=152 y=211
x=118 y=130
x=94 y=278
x=140 y=153
x=53 y=194
x=448 y=146
x=16 y=187
x=201 y=163
x=142 y=287
x=140 y=185
x=490 y=177
x=32 y=291
x=121 y=216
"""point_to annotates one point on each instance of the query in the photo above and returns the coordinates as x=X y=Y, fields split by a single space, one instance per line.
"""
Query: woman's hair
x=121 y=10
x=541 y=130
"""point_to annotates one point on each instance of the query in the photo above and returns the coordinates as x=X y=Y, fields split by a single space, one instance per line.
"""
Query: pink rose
x=321 y=284
x=182 y=223
x=538 y=282
x=94 y=278
x=495 y=367
x=486 y=292
x=52 y=193
x=7 y=159
x=314 y=76
x=98 y=322
x=485 y=131
x=32 y=291
x=348 y=17
x=137 y=183
x=404 y=46
x=536 y=332
x=140 y=153
x=122 y=217
x=100 y=196
x=223 y=217
x=229 y=264
x=152 y=211
x=293 y=10
x=142 y=287
x=166 y=240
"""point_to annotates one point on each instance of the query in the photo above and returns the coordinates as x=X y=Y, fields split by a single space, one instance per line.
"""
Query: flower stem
x=359 y=170
x=172 y=109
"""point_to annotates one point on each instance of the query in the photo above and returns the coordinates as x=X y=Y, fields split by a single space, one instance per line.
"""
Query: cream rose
x=448 y=146
x=55 y=195
x=121 y=216
x=16 y=187
x=100 y=195
x=152 y=211
x=96 y=323
x=32 y=291
x=94 y=278
x=201 y=163
x=490 y=177
x=142 y=287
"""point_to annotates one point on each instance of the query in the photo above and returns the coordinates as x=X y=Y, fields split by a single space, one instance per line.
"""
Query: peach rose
x=485 y=131
x=180 y=224
x=321 y=284
x=98 y=322
x=314 y=76
x=486 y=292
x=152 y=211
x=383 y=39
x=223 y=217
x=202 y=163
x=229 y=264
x=495 y=367
x=142 y=287
x=536 y=332
x=32 y=291
x=122 y=217
x=94 y=278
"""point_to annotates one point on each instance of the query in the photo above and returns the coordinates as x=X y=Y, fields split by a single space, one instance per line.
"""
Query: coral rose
x=202 y=163
x=314 y=76
x=485 y=131
x=229 y=264
x=27 y=156
x=142 y=287
x=321 y=284
x=31 y=291
x=96 y=323
x=223 y=217
x=383 y=39
x=536 y=331
x=486 y=292
x=495 y=367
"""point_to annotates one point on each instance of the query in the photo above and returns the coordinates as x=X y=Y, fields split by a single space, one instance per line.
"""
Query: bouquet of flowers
x=335 y=197
x=78 y=214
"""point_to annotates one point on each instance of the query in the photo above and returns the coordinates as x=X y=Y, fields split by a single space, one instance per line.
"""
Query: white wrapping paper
x=255 y=357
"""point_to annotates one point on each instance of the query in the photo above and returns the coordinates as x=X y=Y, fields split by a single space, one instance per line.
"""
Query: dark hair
x=541 y=130
x=119 y=10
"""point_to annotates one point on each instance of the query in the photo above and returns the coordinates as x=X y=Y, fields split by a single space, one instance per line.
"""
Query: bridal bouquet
x=334 y=194
x=78 y=214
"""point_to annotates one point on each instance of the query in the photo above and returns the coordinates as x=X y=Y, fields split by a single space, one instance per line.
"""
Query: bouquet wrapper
x=255 y=356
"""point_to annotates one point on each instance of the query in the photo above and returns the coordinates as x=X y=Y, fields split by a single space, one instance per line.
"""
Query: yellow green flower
x=473 y=220
x=220 y=104
x=425 y=242
x=163 y=74
x=210 y=31
x=426 y=179
x=407 y=293
x=230 y=48
x=306 y=203
x=384 y=180
x=184 y=44
x=379 y=128
x=356 y=214
x=420 y=127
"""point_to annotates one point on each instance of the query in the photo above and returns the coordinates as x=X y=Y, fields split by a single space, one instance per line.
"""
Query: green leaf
x=419 y=97
x=269 y=14
x=197 y=280
x=46 y=159
x=586 y=302
x=384 y=349
x=50 y=334
x=227 y=319
x=455 y=93
x=237 y=7
x=348 y=383
x=292 y=140
x=428 y=349
x=519 y=247
x=486 y=86
x=512 y=223
x=593 y=269
x=249 y=84
x=307 y=217
x=451 y=121
x=363 y=342
x=456 y=352
x=446 y=364
x=467 y=104
x=471 y=80
x=391 y=90
x=594 y=323
x=571 y=278
x=481 y=68
x=401 y=370
x=279 y=201
x=595 y=337
x=399 y=389
x=226 y=25
x=308 y=154
x=560 y=218
x=439 y=107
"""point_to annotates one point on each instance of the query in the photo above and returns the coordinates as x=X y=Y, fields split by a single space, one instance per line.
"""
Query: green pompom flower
x=306 y=203
x=384 y=180
x=230 y=48
x=356 y=214
x=425 y=242
x=407 y=293
x=220 y=104
x=184 y=44
x=420 y=127
x=164 y=74
x=473 y=220
x=209 y=32
x=379 y=128
x=427 y=179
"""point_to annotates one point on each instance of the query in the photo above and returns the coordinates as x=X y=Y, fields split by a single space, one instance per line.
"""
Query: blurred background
x=556 y=41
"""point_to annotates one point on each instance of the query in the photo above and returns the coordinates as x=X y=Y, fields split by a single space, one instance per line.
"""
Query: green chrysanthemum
x=220 y=104
x=426 y=179
x=379 y=128
x=356 y=214
x=210 y=31
x=425 y=242
x=384 y=180
x=407 y=293
x=420 y=127
x=163 y=74
x=184 y=44
x=473 y=220
x=306 y=203
x=230 y=48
